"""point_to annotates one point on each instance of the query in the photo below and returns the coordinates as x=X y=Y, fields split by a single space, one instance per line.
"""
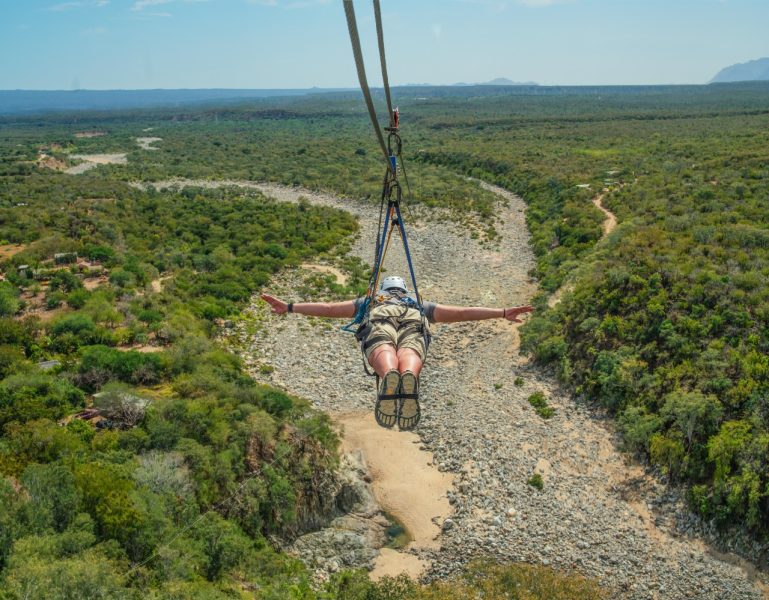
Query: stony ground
x=596 y=513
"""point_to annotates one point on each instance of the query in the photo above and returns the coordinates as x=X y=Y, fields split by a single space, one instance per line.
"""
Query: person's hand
x=278 y=306
x=511 y=314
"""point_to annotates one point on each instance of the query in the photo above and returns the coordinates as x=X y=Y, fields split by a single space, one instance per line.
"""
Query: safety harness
x=390 y=217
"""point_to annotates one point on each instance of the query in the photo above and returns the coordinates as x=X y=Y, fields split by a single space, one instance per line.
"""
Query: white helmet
x=389 y=283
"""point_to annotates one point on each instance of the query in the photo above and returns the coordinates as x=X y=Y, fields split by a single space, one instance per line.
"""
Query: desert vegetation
x=164 y=471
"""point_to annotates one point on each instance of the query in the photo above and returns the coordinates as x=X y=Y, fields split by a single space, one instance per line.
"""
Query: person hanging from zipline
x=392 y=323
x=394 y=340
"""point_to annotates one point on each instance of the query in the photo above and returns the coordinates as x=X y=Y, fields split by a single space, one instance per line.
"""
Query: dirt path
x=610 y=222
x=608 y=225
x=596 y=514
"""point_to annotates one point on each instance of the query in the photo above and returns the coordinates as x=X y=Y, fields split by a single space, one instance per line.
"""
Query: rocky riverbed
x=597 y=513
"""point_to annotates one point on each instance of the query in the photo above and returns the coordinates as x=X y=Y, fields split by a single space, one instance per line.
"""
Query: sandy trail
x=608 y=225
x=596 y=514
x=610 y=222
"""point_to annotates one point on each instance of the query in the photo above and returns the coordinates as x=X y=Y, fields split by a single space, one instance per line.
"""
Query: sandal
x=386 y=408
x=408 y=410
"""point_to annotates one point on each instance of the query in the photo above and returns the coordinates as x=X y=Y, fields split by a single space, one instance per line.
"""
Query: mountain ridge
x=753 y=70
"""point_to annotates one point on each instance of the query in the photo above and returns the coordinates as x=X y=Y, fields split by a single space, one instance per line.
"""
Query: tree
x=27 y=396
x=54 y=499
x=121 y=404
x=693 y=413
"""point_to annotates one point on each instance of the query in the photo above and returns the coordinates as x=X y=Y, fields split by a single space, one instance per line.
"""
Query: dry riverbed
x=597 y=513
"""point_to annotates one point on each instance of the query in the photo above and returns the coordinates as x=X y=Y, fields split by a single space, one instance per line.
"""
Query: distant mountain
x=754 y=70
x=501 y=81
x=506 y=81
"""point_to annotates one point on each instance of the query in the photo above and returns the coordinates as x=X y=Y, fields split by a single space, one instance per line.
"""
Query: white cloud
x=142 y=4
x=73 y=5
x=289 y=3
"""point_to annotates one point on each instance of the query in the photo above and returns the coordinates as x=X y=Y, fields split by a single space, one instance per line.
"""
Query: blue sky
x=130 y=44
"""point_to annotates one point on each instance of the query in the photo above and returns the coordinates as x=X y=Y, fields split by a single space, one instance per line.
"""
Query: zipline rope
x=383 y=62
x=352 y=26
x=391 y=189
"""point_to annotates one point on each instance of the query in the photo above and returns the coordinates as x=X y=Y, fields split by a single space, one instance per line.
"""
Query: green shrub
x=539 y=402
x=35 y=395
x=77 y=298
x=100 y=364
x=9 y=301
x=536 y=481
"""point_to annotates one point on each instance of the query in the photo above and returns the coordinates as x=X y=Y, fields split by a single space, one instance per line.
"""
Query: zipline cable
x=352 y=26
x=383 y=62
x=391 y=188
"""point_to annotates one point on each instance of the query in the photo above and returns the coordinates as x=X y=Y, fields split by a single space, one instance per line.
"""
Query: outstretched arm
x=454 y=314
x=313 y=309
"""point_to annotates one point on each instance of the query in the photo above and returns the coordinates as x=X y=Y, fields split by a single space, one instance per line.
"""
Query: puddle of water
x=397 y=536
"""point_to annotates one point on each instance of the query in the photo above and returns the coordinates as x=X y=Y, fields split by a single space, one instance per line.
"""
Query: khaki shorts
x=402 y=329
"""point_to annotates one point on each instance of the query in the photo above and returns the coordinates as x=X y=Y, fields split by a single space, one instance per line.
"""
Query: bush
x=77 y=299
x=122 y=279
x=76 y=324
x=100 y=364
x=10 y=358
x=539 y=402
x=9 y=299
x=54 y=299
x=54 y=499
x=65 y=281
x=121 y=404
x=28 y=396
x=480 y=580
x=536 y=481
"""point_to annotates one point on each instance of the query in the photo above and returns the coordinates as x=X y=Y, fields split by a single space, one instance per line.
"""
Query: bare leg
x=383 y=359
x=409 y=360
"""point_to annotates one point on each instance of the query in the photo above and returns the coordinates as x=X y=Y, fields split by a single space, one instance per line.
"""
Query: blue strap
x=360 y=314
x=364 y=306
x=408 y=257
